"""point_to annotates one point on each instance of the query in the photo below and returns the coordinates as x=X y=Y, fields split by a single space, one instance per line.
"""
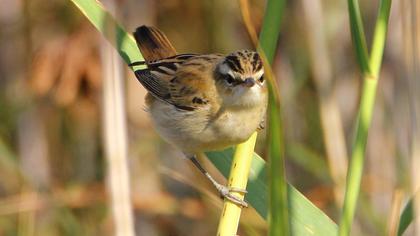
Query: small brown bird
x=201 y=102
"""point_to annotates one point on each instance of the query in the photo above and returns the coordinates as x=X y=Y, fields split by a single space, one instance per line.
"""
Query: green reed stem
x=370 y=67
x=278 y=216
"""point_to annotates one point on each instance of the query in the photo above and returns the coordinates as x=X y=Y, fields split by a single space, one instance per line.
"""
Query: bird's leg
x=224 y=191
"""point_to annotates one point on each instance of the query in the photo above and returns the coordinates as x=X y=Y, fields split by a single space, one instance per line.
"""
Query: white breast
x=197 y=131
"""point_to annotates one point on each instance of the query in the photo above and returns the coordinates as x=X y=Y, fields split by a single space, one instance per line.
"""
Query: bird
x=201 y=102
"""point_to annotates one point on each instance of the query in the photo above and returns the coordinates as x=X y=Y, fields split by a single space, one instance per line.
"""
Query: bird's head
x=240 y=79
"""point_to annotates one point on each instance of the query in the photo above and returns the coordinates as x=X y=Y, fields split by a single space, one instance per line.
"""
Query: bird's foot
x=226 y=193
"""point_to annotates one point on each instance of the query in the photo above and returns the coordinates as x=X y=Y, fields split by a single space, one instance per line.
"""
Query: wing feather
x=179 y=80
x=159 y=89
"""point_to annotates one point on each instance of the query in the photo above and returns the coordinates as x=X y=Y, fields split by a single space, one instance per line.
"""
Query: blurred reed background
x=53 y=165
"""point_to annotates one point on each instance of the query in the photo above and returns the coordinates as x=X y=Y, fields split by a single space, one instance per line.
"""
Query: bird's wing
x=184 y=80
x=178 y=79
x=167 y=67
x=161 y=89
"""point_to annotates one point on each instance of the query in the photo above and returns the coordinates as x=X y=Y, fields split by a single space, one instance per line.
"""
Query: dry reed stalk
x=411 y=34
x=394 y=216
x=335 y=143
x=115 y=136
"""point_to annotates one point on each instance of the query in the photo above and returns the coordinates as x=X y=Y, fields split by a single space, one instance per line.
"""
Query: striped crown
x=244 y=62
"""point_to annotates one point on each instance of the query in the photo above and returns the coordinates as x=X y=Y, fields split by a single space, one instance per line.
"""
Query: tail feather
x=153 y=43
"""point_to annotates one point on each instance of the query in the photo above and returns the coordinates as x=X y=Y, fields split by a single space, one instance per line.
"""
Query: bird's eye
x=261 y=79
x=229 y=79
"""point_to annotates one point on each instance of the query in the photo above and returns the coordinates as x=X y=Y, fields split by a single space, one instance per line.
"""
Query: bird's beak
x=249 y=82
